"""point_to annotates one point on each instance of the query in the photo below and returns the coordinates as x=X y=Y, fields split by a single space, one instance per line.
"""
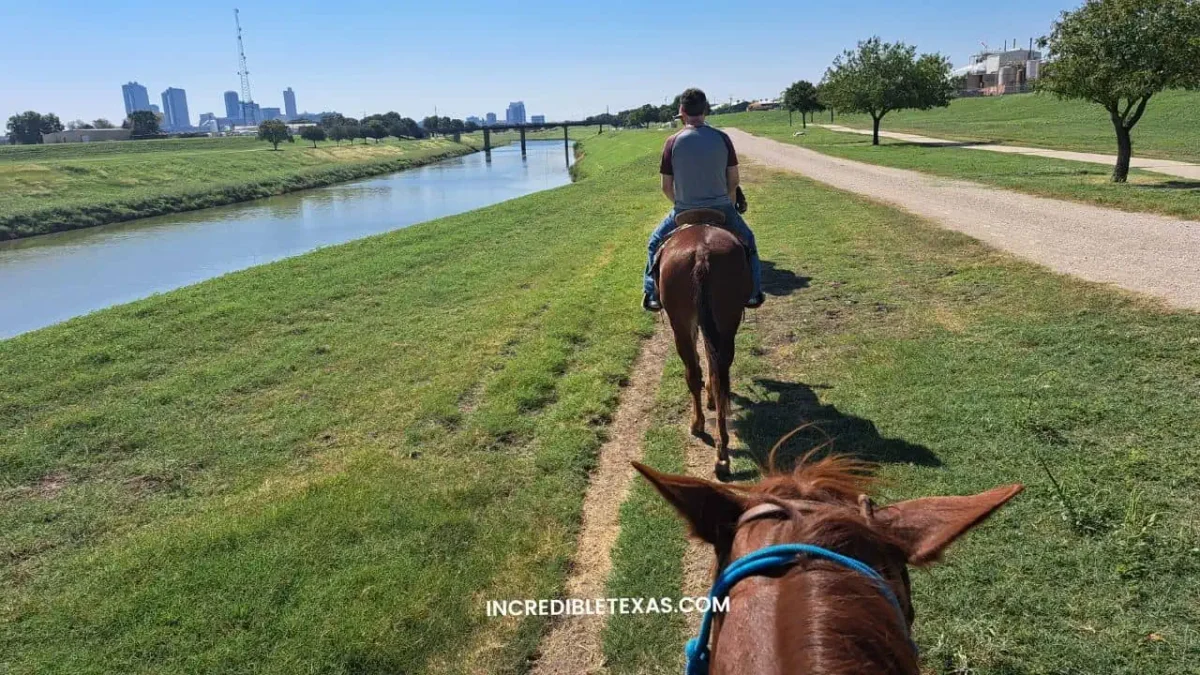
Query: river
x=51 y=278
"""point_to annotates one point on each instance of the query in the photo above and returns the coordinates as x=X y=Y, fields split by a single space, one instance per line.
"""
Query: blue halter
x=759 y=562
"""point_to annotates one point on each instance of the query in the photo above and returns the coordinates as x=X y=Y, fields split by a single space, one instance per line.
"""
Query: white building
x=992 y=72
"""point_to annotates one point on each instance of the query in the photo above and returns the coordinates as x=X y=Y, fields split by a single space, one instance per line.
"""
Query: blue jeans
x=732 y=218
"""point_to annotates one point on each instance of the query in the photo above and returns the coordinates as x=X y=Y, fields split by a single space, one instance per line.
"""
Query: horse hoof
x=721 y=469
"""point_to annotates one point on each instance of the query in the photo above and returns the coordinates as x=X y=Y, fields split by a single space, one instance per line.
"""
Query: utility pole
x=243 y=71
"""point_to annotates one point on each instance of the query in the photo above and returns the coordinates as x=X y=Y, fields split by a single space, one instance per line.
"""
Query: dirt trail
x=573 y=644
x=1138 y=251
x=698 y=560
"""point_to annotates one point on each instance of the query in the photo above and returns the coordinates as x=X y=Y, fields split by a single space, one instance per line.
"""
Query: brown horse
x=704 y=280
x=812 y=614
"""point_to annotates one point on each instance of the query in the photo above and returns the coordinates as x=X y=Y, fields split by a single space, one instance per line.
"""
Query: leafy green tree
x=801 y=97
x=1120 y=53
x=143 y=123
x=375 y=129
x=332 y=120
x=879 y=77
x=350 y=132
x=313 y=133
x=28 y=127
x=362 y=131
x=273 y=132
x=102 y=123
x=471 y=125
x=430 y=124
x=79 y=124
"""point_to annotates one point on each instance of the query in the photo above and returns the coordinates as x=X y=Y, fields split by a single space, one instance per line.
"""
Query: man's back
x=697 y=158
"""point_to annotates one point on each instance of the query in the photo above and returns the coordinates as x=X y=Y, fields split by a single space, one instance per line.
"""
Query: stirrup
x=756 y=301
x=650 y=302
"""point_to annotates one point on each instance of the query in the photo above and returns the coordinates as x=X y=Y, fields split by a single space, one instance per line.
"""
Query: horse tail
x=704 y=312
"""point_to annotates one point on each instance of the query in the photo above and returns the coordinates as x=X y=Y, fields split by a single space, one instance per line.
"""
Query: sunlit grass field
x=328 y=464
x=1057 y=178
x=1170 y=128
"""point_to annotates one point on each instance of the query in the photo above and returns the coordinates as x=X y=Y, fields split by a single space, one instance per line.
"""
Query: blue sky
x=565 y=60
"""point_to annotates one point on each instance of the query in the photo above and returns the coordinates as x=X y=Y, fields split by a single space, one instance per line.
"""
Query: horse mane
x=832 y=478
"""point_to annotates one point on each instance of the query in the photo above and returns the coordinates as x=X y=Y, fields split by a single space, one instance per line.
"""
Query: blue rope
x=760 y=562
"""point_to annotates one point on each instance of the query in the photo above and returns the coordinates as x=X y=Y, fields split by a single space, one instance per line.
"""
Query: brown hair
x=694 y=102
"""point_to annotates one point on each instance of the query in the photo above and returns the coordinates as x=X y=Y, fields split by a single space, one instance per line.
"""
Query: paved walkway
x=1165 y=166
x=1141 y=252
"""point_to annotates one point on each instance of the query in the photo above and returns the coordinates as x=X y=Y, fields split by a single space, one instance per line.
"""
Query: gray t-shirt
x=697 y=157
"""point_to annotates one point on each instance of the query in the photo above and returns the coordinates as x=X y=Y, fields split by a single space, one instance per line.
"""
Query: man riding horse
x=699 y=170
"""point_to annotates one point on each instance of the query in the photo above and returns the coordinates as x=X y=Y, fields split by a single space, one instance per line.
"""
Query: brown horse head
x=704 y=280
x=813 y=615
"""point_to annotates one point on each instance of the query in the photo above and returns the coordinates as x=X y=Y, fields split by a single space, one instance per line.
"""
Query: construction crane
x=244 y=72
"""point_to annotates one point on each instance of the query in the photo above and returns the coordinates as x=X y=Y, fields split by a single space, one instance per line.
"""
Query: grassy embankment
x=1169 y=130
x=960 y=368
x=329 y=463
x=62 y=187
x=1061 y=179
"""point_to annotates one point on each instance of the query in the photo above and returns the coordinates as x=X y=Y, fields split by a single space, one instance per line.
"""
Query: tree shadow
x=941 y=144
x=1172 y=185
x=779 y=281
x=776 y=408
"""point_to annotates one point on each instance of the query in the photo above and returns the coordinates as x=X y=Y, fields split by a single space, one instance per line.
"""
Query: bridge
x=541 y=126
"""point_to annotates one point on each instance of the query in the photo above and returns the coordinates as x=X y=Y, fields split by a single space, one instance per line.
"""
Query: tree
x=430 y=124
x=880 y=77
x=79 y=124
x=102 y=123
x=143 y=123
x=1118 y=54
x=375 y=129
x=362 y=131
x=801 y=97
x=313 y=133
x=350 y=132
x=273 y=132
x=332 y=120
x=28 y=127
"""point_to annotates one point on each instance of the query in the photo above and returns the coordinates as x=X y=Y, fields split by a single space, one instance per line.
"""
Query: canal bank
x=86 y=187
x=67 y=274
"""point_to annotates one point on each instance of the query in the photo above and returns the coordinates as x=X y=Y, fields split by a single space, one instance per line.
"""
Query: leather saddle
x=695 y=218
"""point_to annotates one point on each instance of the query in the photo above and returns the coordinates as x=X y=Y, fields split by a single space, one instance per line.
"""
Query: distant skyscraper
x=251 y=113
x=491 y=119
x=155 y=109
x=538 y=119
x=175 y=111
x=515 y=113
x=289 y=103
x=270 y=114
x=233 y=106
x=136 y=97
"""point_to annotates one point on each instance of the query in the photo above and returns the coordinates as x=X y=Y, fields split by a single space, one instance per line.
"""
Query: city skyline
x=572 y=62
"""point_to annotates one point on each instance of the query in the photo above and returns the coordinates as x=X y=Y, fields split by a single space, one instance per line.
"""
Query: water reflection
x=59 y=276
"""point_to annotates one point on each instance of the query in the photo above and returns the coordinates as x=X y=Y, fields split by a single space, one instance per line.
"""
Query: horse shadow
x=779 y=281
x=777 y=408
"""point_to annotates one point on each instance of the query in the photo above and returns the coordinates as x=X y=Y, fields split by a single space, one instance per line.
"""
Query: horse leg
x=721 y=378
x=710 y=384
x=685 y=344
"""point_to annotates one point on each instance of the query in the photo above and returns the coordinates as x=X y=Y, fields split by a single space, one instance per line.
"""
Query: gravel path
x=1140 y=252
x=1165 y=166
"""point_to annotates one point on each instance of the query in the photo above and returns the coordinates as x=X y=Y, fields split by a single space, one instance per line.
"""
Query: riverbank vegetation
x=62 y=187
x=1047 y=177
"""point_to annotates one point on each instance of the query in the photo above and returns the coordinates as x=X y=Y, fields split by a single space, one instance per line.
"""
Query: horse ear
x=710 y=508
x=925 y=527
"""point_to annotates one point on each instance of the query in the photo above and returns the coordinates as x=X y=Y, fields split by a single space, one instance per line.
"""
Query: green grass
x=329 y=463
x=62 y=187
x=959 y=368
x=1060 y=179
x=1170 y=128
